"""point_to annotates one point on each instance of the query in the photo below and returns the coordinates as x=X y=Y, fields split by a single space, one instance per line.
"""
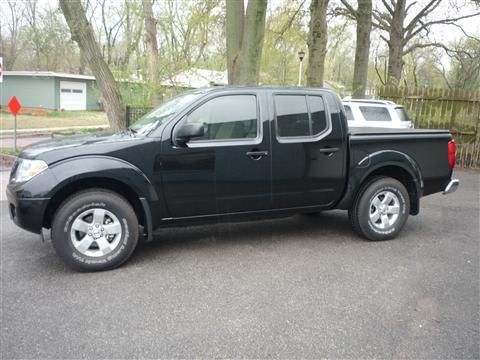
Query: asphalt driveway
x=299 y=287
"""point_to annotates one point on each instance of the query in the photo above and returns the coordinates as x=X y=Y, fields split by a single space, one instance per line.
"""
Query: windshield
x=164 y=112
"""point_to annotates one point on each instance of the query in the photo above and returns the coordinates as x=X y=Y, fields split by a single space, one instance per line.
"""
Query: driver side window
x=230 y=117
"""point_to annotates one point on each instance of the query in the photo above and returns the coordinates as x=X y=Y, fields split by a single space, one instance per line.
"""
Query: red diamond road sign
x=14 y=105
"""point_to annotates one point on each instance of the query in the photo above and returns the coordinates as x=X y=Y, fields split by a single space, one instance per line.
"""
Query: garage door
x=73 y=95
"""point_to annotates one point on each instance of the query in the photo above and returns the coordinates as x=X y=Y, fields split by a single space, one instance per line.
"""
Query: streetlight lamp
x=301 y=55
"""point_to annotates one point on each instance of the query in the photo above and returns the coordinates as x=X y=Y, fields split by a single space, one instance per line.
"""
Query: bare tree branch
x=289 y=23
x=432 y=5
x=448 y=21
x=350 y=8
x=378 y=73
x=439 y=45
x=410 y=6
x=380 y=23
x=388 y=7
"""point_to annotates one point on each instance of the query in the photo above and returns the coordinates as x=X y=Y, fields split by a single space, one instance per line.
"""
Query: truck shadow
x=326 y=227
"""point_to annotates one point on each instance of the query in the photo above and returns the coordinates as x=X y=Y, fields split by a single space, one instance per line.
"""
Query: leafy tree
x=285 y=36
x=465 y=65
x=82 y=33
x=401 y=33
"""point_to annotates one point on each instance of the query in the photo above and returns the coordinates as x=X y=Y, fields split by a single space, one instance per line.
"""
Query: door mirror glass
x=189 y=131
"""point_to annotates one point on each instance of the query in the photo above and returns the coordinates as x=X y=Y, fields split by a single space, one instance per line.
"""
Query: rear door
x=308 y=150
x=226 y=171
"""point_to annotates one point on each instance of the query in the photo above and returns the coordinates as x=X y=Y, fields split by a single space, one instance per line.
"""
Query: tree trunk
x=82 y=33
x=362 y=50
x=234 y=32
x=252 y=43
x=317 y=42
x=152 y=52
x=396 y=43
x=245 y=34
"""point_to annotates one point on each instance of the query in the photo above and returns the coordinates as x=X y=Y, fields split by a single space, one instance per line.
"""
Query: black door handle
x=329 y=150
x=257 y=154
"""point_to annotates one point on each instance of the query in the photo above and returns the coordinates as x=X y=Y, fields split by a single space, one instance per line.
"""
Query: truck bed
x=353 y=131
x=427 y=149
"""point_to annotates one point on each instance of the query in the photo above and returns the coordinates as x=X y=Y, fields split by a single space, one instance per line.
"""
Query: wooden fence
x=455 y=109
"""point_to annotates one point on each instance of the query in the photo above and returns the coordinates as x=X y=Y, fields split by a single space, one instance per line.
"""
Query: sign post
x=14 y=106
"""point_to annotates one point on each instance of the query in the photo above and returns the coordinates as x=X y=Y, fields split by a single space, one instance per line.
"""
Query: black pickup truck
x=219 y=154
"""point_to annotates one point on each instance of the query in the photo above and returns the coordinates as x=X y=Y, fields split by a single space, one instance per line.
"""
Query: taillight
x=452 y=149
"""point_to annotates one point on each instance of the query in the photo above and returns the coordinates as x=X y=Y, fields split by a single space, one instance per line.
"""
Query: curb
x=52 y=129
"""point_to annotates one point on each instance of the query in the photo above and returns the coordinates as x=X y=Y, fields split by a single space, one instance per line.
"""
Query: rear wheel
x=95 y=230
x=381 y=209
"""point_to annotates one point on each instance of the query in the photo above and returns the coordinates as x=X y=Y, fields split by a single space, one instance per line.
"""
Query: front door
x=308 y=150
x=225 y=171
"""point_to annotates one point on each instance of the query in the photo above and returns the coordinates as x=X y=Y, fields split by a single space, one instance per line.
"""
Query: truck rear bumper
x=451 y=187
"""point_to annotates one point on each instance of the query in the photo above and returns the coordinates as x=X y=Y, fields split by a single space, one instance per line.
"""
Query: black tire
x=116 y=211
x=364 y=210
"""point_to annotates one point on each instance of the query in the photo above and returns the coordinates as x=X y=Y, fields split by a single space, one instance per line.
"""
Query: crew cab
x=219 y=154
x=376 y=113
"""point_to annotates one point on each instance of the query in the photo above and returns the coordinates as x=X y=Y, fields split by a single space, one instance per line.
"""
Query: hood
x=78 y=145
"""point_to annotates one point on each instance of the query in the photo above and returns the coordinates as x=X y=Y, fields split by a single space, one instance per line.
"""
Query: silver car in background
x=376 y=113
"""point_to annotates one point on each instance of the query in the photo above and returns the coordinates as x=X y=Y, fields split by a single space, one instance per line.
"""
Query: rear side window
x=300 y=115
x=292 y=115
x=227 y=118
x=375 y=113
x=402 y=114
x=349 y=113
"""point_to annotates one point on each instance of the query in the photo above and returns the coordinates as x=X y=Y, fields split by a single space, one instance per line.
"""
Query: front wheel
x=95 y=230
x=381 y=209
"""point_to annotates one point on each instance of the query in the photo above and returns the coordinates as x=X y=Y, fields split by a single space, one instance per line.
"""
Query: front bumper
x=27 y=213
x=451 y=187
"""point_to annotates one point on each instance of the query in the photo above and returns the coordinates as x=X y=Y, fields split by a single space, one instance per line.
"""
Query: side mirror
x=189 y=131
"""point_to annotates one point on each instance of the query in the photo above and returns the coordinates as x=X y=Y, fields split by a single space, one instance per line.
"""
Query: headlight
x=26 y=169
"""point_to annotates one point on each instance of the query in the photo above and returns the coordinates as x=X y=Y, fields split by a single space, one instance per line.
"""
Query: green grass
x=10 y=151
x=73 y=132
x=54 y=119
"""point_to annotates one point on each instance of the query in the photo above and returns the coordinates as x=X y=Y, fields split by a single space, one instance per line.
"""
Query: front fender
x=72 y=170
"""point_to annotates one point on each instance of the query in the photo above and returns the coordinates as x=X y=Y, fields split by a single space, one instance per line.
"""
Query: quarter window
x=375 y=113
x=349 y=113
x=300 y=115
x=317 y=113
x=227 y=118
